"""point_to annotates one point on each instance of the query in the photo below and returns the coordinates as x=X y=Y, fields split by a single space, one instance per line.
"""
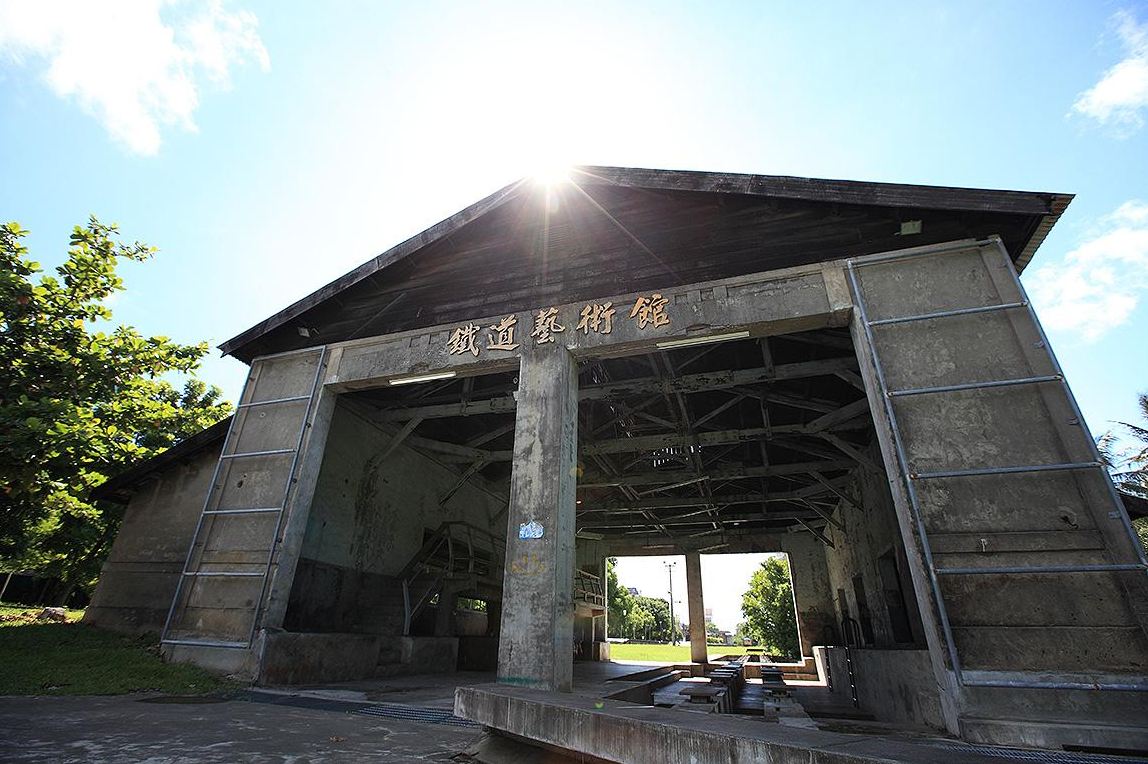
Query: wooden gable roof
x=611 y=230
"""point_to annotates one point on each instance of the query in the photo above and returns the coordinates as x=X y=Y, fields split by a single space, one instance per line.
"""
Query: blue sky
x=267 y=148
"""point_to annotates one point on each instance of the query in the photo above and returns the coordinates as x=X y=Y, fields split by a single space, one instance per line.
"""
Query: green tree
x=79 y=404
x=634 y=616
x=640 y=624
x=1129 y=466
x=659 y=610
x=619 y=603
x=768 y=608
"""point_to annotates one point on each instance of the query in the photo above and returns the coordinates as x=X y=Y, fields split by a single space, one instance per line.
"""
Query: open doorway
x=746 y=608
x=404 y=546
x=751 y=445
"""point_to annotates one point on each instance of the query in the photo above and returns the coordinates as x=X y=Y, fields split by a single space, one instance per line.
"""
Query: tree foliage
x=631 y=616
x=661 y=624
x=80 y=400
x=1129 y=466
x=619 y=602
x=767 y=607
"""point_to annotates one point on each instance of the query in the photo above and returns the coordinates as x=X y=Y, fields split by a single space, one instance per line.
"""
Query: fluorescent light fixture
x=423 y=378
x=691 y=341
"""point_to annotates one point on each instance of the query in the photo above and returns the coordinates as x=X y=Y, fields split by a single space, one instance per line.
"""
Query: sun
x=551 y=173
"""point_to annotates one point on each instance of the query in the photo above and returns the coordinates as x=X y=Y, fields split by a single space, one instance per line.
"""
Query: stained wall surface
x=869 y=579
x=139 y=578
x=368 y=519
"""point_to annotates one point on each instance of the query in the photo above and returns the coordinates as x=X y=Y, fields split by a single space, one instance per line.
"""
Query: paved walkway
x=321 y=723
x=111 y=730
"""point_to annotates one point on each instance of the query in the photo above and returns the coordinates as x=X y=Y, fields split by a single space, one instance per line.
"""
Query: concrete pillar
x=699 y=653
x=536 y=648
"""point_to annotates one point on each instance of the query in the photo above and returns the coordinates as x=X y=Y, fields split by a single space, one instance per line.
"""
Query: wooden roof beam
x=740 y=517
x=729 y=473
x=690 y=383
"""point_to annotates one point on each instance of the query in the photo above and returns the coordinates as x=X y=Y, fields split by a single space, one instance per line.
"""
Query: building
x=849 y=373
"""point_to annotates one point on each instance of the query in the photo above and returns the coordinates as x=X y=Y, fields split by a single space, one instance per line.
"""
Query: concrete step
x=1101 y=738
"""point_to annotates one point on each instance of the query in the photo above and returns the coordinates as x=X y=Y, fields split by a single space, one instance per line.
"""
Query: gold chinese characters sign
x=597 y=318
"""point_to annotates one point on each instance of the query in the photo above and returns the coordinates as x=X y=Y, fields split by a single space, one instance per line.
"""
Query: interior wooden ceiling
x=744 y=436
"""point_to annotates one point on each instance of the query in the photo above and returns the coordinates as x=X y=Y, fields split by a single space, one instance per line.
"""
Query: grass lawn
x=38 y=658
x=667 y=653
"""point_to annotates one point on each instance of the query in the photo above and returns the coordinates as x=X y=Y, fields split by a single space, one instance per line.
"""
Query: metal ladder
x=913 y=478
x=192 y=573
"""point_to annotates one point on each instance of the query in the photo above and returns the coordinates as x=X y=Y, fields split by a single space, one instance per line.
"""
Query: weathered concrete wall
x=1025 y=622
x=1052 y=630
x=370 y=515
x=811 y=595
x=869 y=532
x=248 y=546
x=298 y=658
x=139 y=578
x=892 y=685
x=367 y=521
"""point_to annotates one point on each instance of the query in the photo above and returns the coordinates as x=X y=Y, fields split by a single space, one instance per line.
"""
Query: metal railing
x=453 y=549
x=588 y=588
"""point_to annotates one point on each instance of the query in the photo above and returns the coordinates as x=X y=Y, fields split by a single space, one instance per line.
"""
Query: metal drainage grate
x=416 y=714
x=1049 y=757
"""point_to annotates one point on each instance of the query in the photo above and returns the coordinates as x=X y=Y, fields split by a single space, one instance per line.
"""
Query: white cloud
x=135 y=65
x=1122 y=91
x=1097 y=285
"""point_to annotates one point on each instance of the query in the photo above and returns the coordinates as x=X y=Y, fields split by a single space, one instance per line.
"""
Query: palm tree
x=1129 y=466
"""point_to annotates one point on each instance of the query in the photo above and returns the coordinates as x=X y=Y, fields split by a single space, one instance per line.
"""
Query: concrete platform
x=625 y=732
x=586 y=723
